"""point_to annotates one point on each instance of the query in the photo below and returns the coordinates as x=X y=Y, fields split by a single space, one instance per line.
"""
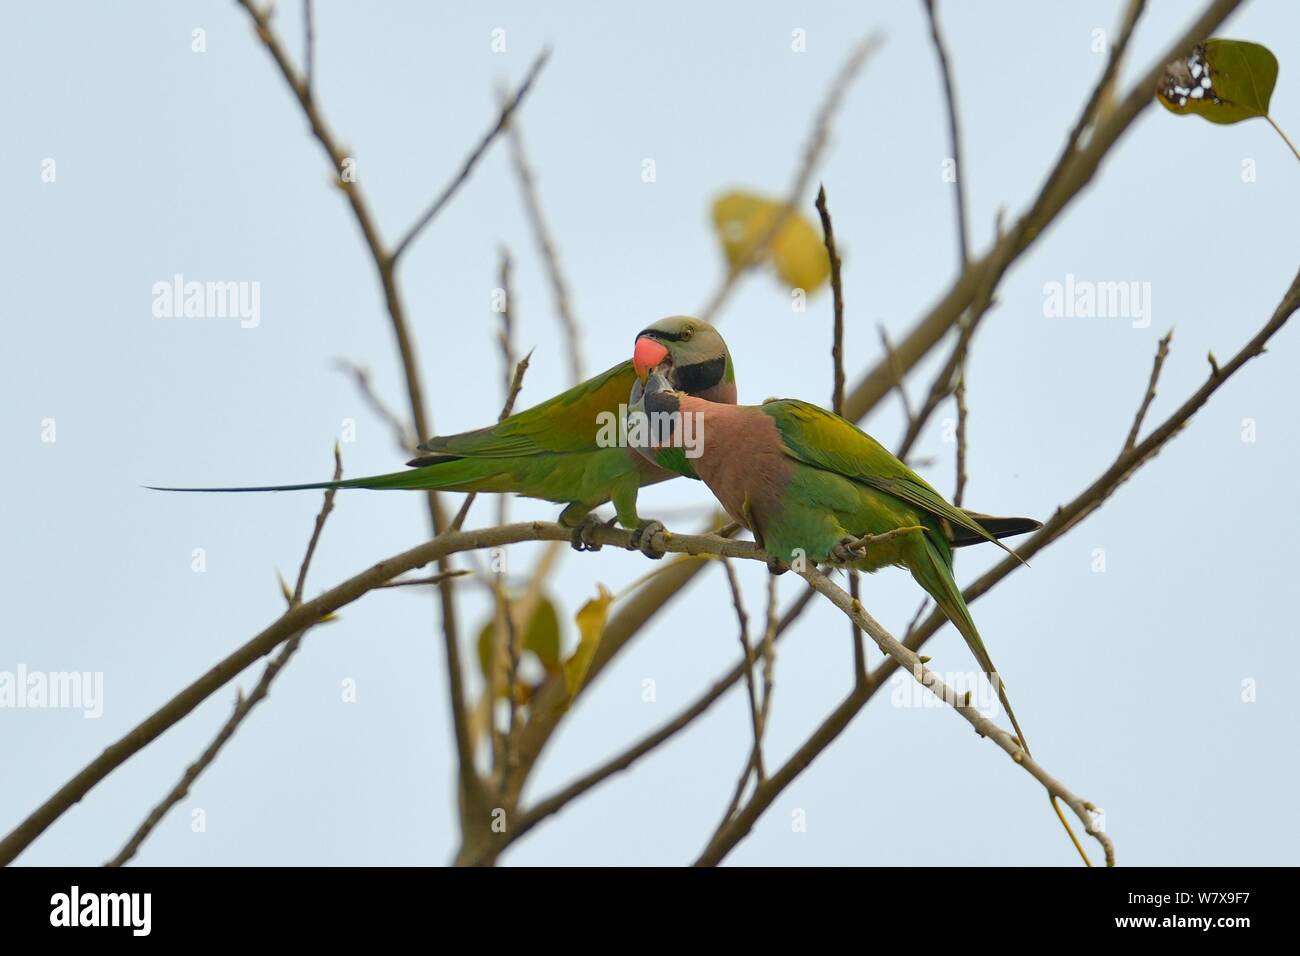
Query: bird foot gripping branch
x=584 y=535
x=848 y=551
x=643 y=539
x=646 y=537
x=851 y=550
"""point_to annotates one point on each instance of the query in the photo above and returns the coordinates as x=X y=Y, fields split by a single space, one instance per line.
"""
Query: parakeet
x=807 y=483
x=566 y=449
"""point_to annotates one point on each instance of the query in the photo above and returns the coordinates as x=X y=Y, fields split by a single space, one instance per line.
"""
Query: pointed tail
x=933 y=572
x=415 y=478
x=998 y=527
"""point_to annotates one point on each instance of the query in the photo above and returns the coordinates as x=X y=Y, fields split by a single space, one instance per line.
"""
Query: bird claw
x=582 y=538
x=848 y=551
x=643 y=539
x=776 y=565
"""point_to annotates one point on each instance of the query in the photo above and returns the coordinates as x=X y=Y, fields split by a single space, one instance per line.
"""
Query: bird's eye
x=687 y=333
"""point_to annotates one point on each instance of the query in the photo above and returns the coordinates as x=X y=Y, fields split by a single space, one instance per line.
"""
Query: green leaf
x=543 y=635
x=591 y=618
x=541 y=639
x=1224 y=81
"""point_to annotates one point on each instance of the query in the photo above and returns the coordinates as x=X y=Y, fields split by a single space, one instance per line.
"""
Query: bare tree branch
x=508 y=107
x=1162 y=352
x=736 y=830
x=1075 y=169
x=243 y=705
x=309 y=43
x=471 y=785
x=432 y=579
x=960 y=393
x=515 y=385
x=837 y=389
x=546 y=246
x=954 y=133
x=837 y=290
x=406 y=440
x=899 y=381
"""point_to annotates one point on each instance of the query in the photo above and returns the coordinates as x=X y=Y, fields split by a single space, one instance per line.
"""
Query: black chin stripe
x=700 y=376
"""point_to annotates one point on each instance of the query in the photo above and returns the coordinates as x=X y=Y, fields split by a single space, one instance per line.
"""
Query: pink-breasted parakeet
x=808 y=483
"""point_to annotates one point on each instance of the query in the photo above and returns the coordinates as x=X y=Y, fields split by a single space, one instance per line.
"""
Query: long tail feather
x=997 y=527
x=415 y=478
x=932 y=572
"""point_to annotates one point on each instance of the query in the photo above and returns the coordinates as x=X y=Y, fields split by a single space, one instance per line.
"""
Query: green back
x=824 y=440
x=569 y=422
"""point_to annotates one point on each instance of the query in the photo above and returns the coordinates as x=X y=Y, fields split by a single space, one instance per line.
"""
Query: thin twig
x=508 y=107
x=837 y=389
x=506 y=409
x=888 y=346
x=470 y=783
x=960 y=394
x=546 y=247
x=954 y=134
x=754 y=760
x=803 y=176
x=506 y=334
x=243 y=705
x=911 y=626
x=514 y=651
x=309 y=44
x=945 y=383
x=769 y=654
x=837 y=290
x=405 y=438
x=433 y=579
x=1162 y=352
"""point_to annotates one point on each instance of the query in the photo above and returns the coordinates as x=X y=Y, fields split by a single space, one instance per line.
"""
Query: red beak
x=647 y=355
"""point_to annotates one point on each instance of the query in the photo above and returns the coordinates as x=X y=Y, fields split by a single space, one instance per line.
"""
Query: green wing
x=569 y=422
x=824 y=440
x=551 y=451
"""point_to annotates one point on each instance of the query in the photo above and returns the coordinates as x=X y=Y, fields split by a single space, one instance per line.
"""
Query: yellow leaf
x=797 y=252
x=799 y=255
x=591 y=618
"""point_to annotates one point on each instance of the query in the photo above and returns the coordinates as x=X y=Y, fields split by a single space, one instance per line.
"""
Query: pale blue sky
x=1129 y=681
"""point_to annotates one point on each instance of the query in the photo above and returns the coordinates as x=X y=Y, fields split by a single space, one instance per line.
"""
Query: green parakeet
x=566 y=449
